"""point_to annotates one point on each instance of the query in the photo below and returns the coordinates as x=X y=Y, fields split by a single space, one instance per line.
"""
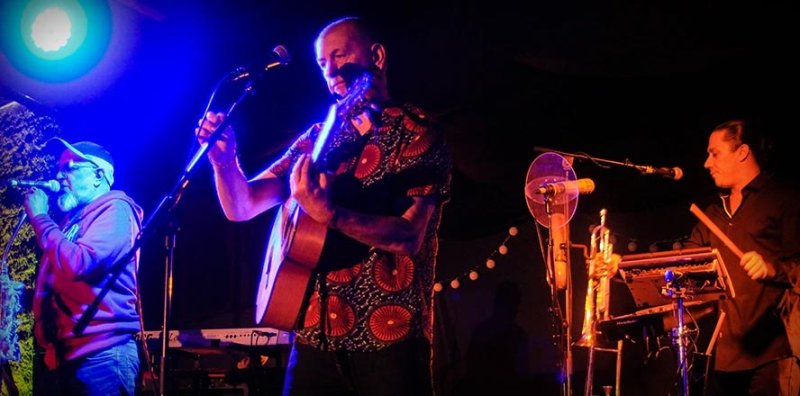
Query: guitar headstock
x=358 y=99
x=359 y=96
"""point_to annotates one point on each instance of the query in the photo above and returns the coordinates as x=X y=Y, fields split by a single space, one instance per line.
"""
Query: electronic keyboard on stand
x=675 y=281
x=217 y=338
x=702 y=269
x=232 y=360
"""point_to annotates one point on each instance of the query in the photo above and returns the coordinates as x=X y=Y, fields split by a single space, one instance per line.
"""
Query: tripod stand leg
x=710 y=349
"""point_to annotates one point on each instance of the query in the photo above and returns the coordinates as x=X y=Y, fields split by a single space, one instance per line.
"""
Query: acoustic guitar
x=297 y=241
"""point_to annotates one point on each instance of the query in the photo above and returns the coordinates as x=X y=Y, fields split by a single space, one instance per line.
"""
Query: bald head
x=352 y=27
x=347 y=47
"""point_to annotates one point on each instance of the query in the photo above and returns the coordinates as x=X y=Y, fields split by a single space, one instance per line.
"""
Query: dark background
x=619 y=80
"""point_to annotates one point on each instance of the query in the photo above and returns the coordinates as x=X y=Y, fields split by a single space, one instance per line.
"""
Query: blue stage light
x=56 y=40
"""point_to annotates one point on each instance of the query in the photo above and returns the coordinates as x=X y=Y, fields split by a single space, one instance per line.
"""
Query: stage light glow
x=56 y=40
x=51 y=29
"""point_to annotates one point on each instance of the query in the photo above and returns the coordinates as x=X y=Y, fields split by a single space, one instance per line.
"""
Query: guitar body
x=294 y=249
x=297 y=243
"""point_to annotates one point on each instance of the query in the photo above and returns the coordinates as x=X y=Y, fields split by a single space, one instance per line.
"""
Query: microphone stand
x=599 y=161
x=167 y=204
x=564 y=319
x=170 y=202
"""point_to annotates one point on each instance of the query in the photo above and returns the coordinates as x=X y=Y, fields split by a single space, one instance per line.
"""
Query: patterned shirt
x=373 y=298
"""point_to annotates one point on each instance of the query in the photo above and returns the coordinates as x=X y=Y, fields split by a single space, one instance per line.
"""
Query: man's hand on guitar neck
x=311 y=190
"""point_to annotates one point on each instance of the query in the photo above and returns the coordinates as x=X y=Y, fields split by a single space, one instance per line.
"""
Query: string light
x=633 y=245
x=474 y=273
x=490 y=263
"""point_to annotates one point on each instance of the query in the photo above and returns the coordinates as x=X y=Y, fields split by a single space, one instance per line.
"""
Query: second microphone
x=49 y=185
x=580 y=186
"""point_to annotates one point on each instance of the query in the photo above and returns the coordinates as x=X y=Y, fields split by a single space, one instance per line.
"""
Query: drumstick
x=713 y=227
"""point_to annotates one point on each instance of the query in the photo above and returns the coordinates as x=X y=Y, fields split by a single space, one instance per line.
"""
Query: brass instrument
x=601 y=264
x=596 y=306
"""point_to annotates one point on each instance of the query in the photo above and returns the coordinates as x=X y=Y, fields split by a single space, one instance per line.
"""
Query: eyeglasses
x=71 y=167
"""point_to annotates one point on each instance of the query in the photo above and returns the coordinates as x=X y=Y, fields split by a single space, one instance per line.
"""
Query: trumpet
x=602 y=263
x=596 y=305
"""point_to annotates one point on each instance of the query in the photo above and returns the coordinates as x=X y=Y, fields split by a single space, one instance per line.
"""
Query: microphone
x=279 y=57
x=581 y=186
x=672 y=173
x=50 y=185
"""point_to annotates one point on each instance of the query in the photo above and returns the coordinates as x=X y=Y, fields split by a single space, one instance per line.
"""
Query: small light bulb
x=490 y=263
x=473 y=275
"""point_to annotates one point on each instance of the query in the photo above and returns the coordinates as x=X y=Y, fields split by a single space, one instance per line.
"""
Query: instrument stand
x=564 y=341
x=674 y=290
x=699 y=273
x=607 y=389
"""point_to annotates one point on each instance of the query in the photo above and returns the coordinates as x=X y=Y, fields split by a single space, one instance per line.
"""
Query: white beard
x=67 y=202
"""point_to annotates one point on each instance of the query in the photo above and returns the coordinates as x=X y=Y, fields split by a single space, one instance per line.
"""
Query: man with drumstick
x=756 y=227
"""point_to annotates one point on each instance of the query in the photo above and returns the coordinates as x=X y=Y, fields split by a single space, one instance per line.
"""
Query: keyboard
x=700 y=272
x=246 y=337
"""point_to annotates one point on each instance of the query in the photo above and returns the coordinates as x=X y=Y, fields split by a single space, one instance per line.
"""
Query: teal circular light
x=54 y=32
x=56 y=40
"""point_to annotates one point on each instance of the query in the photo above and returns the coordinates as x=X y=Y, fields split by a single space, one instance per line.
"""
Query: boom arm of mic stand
x=588 y=157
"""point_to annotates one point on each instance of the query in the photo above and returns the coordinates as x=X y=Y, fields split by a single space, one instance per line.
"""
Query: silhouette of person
x=497 y=357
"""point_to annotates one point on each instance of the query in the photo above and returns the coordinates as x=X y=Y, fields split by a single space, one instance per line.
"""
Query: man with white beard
x=79 y=265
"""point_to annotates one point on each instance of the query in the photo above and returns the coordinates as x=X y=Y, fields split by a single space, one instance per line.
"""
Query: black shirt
x=767 y=221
